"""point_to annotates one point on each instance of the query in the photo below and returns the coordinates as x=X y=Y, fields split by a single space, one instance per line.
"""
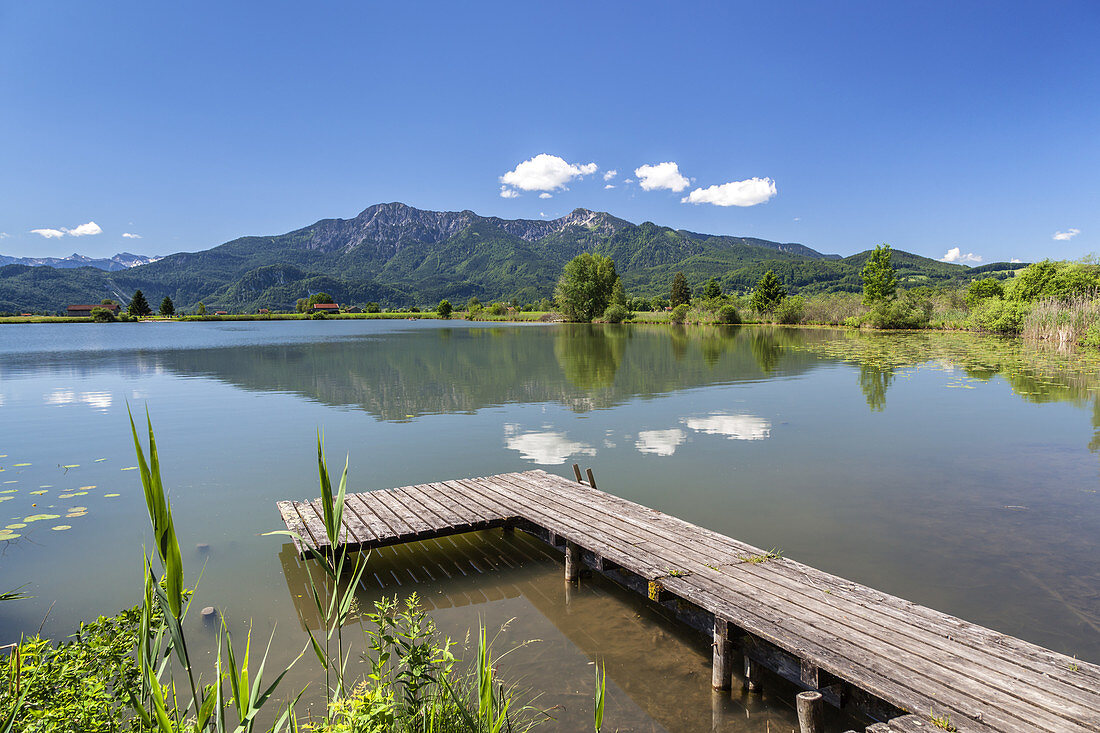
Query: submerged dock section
x=910 y=667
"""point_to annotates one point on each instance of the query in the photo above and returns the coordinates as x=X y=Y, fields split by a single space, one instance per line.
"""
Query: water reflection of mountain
x=463 y=370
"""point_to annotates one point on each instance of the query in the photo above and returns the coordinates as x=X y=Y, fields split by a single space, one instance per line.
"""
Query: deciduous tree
x=880 y=281
x=586 y=285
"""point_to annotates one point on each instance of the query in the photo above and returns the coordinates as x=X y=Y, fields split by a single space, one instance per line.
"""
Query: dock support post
x=572 y=561
x=577 y=472
x=752 y=675
x=722 y=667
x=591 y=478
x=811 y=713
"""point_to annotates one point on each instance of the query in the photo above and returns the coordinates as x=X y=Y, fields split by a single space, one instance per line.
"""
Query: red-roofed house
x=327 y=307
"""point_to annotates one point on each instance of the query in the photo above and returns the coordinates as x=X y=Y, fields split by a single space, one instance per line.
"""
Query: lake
x=954 y=470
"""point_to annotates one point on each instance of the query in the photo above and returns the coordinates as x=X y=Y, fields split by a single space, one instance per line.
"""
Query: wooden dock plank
x=769 y=578
x=907 y=655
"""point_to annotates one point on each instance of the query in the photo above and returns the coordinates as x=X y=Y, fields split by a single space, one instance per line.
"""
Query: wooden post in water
x=722 y=666
x=752 y=675
x=811 y=712
x=591 y=478
x=577 y=471
x=572 y=561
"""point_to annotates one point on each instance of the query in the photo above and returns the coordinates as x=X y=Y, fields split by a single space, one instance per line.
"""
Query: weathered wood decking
x=855 y=645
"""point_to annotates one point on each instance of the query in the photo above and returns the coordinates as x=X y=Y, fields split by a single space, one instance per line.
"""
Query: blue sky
x=928 y=125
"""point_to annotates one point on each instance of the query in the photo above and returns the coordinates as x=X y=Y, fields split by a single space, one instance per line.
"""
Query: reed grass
x=1064 y=321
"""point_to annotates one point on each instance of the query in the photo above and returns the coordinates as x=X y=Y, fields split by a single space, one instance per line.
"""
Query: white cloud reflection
x=734 y=427
x=546 y=448
x=96 y=400
x=660 y=442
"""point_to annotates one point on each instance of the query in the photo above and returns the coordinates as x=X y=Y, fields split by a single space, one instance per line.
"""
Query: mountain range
x=395 y=254
x=121 y=261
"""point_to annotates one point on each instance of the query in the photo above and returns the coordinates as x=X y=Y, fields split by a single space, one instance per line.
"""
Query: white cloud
x=610 y=174
x=508 y=193
x=1015 y=260
x=609 y=185
x=80 y=231
x=628 y=180
x=546 y=448
x=545 y=173
x=734 y=427
x=130 y=235
x=660 y=442
x=4 y=235
x=663 y=175
x=735 y=193
x=1066 y=235
x=85 y=229
x=956 y=255
x=545 y=195
x=798 y=218
x=49 y=233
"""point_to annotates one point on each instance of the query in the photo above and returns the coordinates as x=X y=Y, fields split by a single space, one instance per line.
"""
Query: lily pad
x=130 y=468
x=17 y=525
x=5 y=498
x=65 y=496
x=9 y=491
x=20 y=465
x=111 y=496
x=40 y=517
x=6 y=535
x=71 y=465
x=61 y=527
x=98 y=460
x=39 y=492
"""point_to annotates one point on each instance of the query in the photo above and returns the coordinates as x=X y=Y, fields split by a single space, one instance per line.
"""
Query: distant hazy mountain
x=396 y=254
x=121 y=261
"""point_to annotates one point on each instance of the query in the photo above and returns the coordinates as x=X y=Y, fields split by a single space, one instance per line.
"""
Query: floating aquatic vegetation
x=46 y=486
x=9 y=491
x=85 y=488
x=5 y=498
x=40 y=517
x=98 y=460
x=71 y=465
x=130 y=468
x=61 y=527
x=111 y=496
x=39 y=492
x=11 y=482
x=16 y=525
x=20 y=465
x=66 y=496
x=8 y=534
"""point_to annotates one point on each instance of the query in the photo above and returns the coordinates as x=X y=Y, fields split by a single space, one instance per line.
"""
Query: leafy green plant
x=600 y=696
x=728 y=315
x=679 y=313
x=616 y=313
x=789 y=311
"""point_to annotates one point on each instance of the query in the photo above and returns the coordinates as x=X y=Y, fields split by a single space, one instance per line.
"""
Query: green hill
x=398 y=255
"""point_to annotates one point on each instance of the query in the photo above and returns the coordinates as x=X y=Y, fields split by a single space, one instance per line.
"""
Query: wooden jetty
x=910 y=667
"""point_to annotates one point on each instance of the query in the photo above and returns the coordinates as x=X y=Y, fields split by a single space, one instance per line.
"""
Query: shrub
x=615 y=313
x=444 y=309
x=979 y=290
x=679 y=313
x=790 y=310
x=908 y=312
x=102 y=315
x=496 y=309
x=1000 y=316
x=317 y=315
x=728 y=314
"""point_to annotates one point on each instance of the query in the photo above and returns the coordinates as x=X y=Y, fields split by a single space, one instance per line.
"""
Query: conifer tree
x=139 y=306
x=681 y=293
x=167 y=308
x=768 y=294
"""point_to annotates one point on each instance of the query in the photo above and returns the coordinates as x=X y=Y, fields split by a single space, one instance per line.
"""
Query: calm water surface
x=956 y=471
